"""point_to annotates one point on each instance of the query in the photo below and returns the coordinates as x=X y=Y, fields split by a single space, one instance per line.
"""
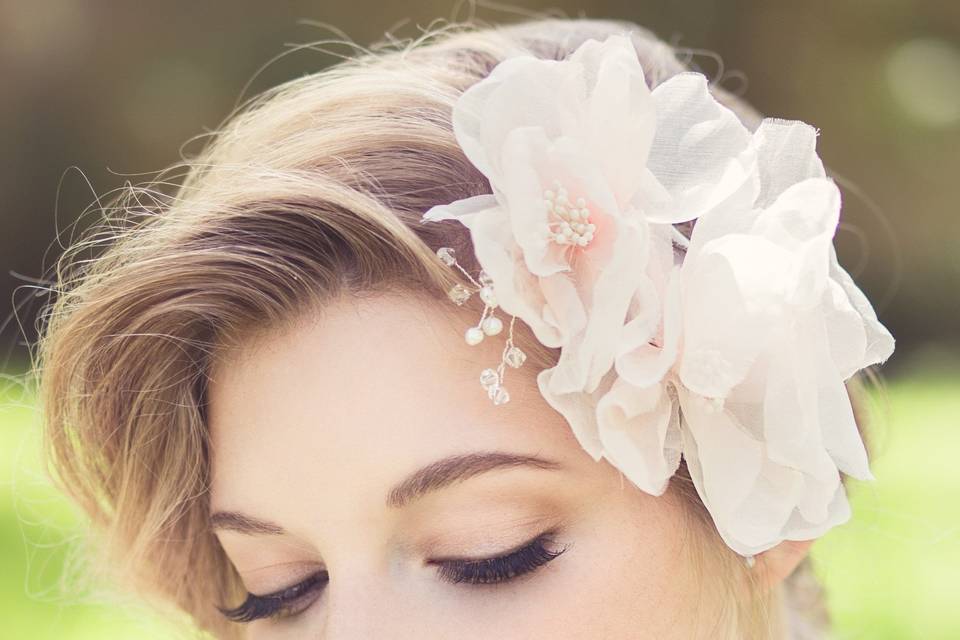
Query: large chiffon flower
x=729 y=348
x=760 y=330
x=563 y=146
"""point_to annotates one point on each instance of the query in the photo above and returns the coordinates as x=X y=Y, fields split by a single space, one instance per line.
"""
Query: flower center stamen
x=570 y=224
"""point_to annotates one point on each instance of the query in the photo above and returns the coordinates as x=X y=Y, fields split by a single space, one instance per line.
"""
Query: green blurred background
x=96 y=93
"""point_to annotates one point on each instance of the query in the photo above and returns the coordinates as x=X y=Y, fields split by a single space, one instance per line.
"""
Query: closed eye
x=484 y=571
x=284 y=603
x=526 y=559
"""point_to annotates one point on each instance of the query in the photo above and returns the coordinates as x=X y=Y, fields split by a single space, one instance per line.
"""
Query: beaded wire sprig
x=491 y=379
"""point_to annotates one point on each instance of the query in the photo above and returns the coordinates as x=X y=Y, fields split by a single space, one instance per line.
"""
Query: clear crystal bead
x=447 y=256
x=515 y=357
x=499 y=395
x=459 y=294
x=488 y=378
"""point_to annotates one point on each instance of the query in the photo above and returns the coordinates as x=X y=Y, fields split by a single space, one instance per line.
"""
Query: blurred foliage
x=890 y=573
x=97 y=92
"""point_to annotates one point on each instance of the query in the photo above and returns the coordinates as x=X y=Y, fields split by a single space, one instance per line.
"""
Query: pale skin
x=313 y=427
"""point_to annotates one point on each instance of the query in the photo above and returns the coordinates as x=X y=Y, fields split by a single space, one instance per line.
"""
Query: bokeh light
x=924 y=78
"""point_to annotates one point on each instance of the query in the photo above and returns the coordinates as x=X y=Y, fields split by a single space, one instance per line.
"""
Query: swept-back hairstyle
x=313 y=189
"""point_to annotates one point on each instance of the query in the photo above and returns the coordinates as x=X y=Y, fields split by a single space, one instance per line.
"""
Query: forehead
x=332 y=411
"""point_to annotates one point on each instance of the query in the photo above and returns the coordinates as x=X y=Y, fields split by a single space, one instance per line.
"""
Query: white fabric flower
x=729 y=349
x=562 y=144
x=761 y=329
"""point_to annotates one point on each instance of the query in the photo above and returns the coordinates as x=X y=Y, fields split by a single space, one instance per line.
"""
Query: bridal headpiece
x=729 y=346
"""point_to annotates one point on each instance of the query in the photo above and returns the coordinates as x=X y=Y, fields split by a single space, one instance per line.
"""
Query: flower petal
x=732 y=299
x=644 y=316
x=518 y=92
x=518 y=292
x=740 y=289
x=462 y=210
x=646 y=364
x=754 y=502
x=880 y=343
x=836 y=420
x=791 y=409
x=786 y=155
x=528 y=164
x=728 y=458
x=803 y=221
x=640 y=433
x=578 y=408
x=846 y=330
x=619 y=113
x=598 y=95
x=606 y=291
x=701 y=151
x=563 y=306
x=841 y=436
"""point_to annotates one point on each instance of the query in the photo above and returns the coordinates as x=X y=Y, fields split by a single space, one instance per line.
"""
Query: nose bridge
x=366 y=605
x=374 y=589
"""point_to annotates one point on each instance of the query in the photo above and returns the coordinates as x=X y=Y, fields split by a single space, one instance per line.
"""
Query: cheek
x=631 y=577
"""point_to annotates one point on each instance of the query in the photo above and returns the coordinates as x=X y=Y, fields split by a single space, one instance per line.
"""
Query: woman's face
x=358 y=457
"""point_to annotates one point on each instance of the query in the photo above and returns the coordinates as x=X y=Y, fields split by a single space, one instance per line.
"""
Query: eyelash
x=526 y=559
x=277 y=604
x=486 y=571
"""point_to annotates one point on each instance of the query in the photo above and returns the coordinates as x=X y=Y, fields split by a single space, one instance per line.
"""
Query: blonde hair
x=313 y=189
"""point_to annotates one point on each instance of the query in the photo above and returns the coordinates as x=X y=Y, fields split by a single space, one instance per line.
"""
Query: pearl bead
x=473 y=336
x=492 y=325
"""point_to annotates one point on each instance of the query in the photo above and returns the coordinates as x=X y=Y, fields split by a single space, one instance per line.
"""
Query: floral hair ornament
x=729 y=348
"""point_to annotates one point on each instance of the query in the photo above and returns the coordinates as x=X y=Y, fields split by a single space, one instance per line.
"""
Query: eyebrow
x=433 y=477
x=458 y=468
x=236 y=521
